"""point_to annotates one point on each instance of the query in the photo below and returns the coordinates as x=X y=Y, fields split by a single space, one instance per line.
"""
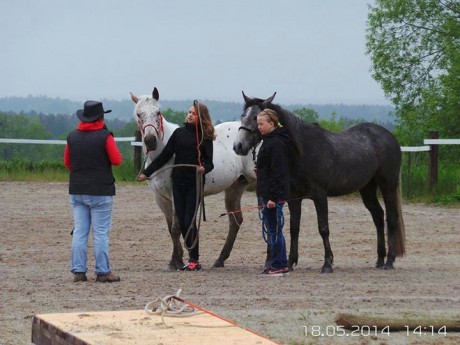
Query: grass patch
x=414 y=180
x=54 y=171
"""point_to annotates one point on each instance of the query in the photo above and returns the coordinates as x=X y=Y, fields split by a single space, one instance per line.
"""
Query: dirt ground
x=35 y=224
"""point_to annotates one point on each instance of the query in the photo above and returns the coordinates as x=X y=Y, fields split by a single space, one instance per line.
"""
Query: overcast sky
x=309 y=51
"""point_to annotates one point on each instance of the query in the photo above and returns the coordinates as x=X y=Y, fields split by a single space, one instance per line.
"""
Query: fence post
x=433 y=166
x=137 y=152
x=408 y=173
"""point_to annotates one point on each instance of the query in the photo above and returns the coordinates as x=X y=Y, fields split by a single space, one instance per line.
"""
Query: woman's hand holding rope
x=141 y=177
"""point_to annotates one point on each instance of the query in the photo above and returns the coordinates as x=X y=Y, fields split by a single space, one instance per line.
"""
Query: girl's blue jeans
x=276 y=246
x=91 y=211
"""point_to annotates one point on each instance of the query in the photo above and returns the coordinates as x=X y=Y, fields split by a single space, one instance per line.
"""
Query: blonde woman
x=273 y=188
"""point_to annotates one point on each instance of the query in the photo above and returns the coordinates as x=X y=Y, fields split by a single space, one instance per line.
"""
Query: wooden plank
x=138 y=327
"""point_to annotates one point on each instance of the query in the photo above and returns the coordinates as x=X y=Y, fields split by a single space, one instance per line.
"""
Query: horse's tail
x=400 y=241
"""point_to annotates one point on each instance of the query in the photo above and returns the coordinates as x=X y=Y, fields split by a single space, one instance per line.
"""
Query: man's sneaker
x=191 y=266
x=107 y=278
x=79 y=277
x=277 y=272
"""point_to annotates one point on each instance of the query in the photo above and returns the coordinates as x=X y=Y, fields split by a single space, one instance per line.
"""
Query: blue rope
x=279 y=225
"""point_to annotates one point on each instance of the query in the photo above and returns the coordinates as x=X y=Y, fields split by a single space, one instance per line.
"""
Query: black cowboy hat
x=92 y=110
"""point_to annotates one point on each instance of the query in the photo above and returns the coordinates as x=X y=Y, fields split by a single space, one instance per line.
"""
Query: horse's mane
x=292 y=123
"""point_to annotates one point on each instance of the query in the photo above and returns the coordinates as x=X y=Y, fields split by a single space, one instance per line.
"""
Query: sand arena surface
x=35 y=224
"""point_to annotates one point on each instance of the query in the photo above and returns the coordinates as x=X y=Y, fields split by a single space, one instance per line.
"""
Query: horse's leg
x=390 y=197
x=295 y=210
x=166 y=207
x=370 y=200
x=232 y=203
x=321 y=207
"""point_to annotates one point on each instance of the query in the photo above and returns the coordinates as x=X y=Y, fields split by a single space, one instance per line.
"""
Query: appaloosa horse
x=361 y=158
x=231 y=174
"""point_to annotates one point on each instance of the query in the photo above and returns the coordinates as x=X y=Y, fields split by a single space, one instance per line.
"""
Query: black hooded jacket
x=273 y=181
x=183 y=145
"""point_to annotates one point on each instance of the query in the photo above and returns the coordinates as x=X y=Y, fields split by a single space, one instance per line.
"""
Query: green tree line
x=414 y=47
x=29 y=161
x=220 y=111
x=34 y=125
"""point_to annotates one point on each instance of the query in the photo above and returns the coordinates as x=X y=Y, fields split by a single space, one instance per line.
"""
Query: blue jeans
x=276 y=244
x=91 y=211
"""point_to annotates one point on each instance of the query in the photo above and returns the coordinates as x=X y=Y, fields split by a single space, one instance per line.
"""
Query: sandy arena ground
x=35 y=222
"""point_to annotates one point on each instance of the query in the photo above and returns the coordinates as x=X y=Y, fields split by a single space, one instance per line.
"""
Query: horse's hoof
x=292 y=263
x=379 y=264
x=175 y=266
x=327 y=270
x=218 y=263
x=388 y=267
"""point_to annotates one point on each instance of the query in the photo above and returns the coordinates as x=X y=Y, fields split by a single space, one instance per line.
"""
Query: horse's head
x=248 y=134
x=149 y=119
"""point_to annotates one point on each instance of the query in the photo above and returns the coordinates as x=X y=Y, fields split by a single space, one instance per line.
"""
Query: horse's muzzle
x=150 y=142
x=239 y=149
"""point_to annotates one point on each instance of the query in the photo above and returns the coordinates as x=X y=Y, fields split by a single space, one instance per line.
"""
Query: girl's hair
x=271 y=116
x=204 y=120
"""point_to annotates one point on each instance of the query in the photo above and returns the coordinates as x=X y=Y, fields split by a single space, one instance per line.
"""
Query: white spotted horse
x=232 y=173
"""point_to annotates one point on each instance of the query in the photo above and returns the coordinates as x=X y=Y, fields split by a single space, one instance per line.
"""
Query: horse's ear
x=269 y=100
x=155 y=94
x=134 y=98
x=246 y=98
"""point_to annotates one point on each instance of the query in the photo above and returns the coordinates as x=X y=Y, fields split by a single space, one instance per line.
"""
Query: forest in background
x=25 y=162
x=220 y=111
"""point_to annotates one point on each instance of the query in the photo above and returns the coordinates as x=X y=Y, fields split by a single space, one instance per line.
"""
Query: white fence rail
x=415 y=148
x=441 y=141
x=43 y=141
x=137 y=143
x=137 y=161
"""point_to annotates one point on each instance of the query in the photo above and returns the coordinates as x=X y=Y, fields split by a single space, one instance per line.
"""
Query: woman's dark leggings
x=184 y=203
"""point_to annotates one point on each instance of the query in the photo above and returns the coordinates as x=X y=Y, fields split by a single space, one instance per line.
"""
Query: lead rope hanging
x=279 y=224
x=199 y=141
x=198 y=202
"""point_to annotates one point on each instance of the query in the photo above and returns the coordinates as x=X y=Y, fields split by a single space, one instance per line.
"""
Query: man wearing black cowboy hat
x=89 y=155
x=92 y=111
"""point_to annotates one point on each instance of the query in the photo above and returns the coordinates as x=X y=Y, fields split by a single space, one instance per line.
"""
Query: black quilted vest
x=91 y=170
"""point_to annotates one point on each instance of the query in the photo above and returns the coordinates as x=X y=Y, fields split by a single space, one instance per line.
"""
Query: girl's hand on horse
x=271 y=204
x=141 y=178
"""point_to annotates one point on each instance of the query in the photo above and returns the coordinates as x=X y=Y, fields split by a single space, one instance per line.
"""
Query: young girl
x=191 y=144
x=273 y=187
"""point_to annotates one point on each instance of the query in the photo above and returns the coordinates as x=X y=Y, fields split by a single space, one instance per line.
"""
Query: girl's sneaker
x=191 y=266
x=276 y=272
x=266 y=270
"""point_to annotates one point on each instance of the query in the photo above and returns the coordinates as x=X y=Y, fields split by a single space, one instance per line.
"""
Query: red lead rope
x=200 y=163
